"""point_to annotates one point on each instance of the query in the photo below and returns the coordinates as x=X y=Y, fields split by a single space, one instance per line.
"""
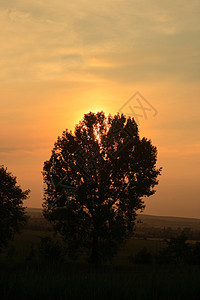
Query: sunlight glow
x=97 y=134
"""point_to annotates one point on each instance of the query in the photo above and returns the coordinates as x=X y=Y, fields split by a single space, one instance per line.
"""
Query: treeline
x=166 y=232
x=41 y=224
x=38 y=223
x=176 y=251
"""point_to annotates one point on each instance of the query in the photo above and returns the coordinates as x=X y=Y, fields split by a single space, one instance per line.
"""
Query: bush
x=195 y=257
x=51 y=251
x=142 y=257
x=176 y=252
x=31 y=254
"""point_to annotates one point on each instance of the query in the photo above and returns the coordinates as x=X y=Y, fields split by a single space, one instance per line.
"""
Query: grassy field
x=19 y=249
x=38 y=227
x=173 y=222
x=24 y=279
x=78 y=281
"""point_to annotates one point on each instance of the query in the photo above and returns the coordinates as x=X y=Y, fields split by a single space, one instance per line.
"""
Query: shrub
x=177 y=251
x=51 y=251
x=142 y=257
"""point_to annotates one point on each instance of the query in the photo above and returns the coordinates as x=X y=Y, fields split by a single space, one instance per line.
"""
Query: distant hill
x=34 y=212
x=173 y=222
x=144 y=220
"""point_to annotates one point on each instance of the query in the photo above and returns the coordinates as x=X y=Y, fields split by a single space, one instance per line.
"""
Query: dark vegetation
x=35 y=265
x=12 y=216
x=85 y=282
x=177 y=244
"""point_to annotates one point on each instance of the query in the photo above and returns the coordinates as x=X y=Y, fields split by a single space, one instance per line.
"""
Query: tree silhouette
x=177 y=251
x=95 y=180
x=12 y=215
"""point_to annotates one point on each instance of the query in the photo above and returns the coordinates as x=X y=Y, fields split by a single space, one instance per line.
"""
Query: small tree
x=95 y=181
x=196 y=254
x=177 y=251
x=12 y=215
x=50 y=251
x=142 y=257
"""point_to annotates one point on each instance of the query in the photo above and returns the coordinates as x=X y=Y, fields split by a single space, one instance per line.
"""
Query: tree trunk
x=95 y=258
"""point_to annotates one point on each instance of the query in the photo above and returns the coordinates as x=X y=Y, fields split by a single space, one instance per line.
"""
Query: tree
x=50 y=251
x=95 y=181
x=12 y=215
x=142 y=257
x=177 y=251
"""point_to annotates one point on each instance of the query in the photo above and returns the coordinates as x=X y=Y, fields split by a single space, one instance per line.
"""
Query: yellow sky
x=59 y=60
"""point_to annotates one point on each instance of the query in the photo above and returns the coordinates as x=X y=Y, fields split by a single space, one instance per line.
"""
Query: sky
x=61 y=59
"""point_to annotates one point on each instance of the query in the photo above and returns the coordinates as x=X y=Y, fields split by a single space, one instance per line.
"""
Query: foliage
x=95 y=181
x=31 y=254
x=12 y=215
x=196 y=254
x=177 y=251
x=50 y=251
x=142 y=257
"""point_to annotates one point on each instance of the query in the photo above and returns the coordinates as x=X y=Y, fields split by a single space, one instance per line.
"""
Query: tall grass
x=22 y=278
x=79 y=281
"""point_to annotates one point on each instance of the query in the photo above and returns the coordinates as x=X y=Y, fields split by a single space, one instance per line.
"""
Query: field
x=38 y=227
x=173 y=222
x=84 y=282
x=23 y=279
x=19 y=249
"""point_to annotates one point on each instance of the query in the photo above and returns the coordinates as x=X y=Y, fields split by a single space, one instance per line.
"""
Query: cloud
x=192 y=150
x=48 y=40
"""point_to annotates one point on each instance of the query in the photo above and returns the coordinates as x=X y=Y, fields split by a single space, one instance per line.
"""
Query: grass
x=22 y=279
x=78 y=281
x=19 y=249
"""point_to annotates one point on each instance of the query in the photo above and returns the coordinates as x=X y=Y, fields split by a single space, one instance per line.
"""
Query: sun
x=97 y=132
x=97 y=135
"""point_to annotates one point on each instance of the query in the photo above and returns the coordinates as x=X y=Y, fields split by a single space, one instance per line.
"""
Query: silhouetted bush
x=51 y=251
x=177 y=251
x=10 y=252
x=195 y=257
x=31 y=256
x=142 y=257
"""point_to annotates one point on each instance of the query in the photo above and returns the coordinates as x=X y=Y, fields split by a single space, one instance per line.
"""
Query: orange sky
x=60 y=60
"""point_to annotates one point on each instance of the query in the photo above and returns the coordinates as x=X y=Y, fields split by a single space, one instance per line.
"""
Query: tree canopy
x=95 y=181
x=12 y=215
